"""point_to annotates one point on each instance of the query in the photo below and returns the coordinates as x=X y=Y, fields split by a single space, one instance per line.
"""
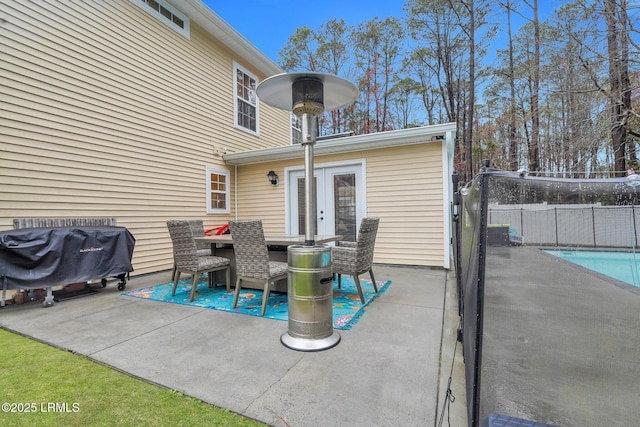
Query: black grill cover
x=41 y=257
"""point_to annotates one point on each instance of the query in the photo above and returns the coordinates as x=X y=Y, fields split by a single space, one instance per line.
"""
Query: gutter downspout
x=235 y=192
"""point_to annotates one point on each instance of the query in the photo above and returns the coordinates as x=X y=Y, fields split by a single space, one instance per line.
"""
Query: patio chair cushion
x=278 y=268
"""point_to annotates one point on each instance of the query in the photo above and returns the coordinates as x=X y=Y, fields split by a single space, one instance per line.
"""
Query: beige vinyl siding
x=404 y=188
x=107 y=111
x=258 y=199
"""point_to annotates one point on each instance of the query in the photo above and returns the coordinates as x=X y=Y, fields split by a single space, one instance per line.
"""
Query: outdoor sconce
x=273 y=177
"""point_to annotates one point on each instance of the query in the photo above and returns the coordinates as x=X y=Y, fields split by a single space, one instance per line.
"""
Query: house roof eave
x=372 y=141
x=199 y=12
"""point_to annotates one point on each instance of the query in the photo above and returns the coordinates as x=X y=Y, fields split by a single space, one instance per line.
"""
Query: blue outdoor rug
x=347 y=308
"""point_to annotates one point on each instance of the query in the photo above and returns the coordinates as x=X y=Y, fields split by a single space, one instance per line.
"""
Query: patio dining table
x=273 y=239
x=222 y=245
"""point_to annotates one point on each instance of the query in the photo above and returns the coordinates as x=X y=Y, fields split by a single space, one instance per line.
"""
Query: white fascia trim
x=372 y=141
x=199 y=12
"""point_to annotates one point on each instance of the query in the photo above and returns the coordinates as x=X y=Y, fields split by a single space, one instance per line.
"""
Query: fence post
x=635 y=231
x=522 y=224
x=593 y=223
x=555 y=215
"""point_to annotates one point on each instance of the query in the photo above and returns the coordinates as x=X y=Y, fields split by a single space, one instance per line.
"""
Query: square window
x=218 y=198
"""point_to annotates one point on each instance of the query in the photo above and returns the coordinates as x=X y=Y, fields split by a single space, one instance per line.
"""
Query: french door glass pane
x=344 y=193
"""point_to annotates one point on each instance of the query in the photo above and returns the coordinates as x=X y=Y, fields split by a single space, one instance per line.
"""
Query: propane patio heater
x=310 y=293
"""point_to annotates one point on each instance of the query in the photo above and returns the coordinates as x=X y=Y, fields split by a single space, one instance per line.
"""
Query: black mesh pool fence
x=549 y=337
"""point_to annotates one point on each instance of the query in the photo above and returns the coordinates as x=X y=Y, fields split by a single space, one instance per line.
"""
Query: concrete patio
x=392 y=368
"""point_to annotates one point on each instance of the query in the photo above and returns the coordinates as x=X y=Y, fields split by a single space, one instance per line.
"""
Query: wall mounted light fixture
x=273 y=177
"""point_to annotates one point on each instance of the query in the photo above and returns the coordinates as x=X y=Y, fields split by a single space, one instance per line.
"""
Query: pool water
x=623 y=266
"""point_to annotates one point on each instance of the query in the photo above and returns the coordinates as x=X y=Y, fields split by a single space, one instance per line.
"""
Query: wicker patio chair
x=252 y=258
x=203 y=248
x=356 y=258
x=187 y=260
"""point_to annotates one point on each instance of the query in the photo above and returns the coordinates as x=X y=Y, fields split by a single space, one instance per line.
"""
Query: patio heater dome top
x=307 y=92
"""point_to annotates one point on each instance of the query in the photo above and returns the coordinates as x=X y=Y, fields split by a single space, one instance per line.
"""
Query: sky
x=268 y=24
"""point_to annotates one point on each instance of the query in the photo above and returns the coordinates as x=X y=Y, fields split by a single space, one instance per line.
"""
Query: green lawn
x=41 y=385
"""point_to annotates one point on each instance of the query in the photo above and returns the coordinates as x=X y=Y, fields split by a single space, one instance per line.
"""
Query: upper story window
x=167 y=14
x=296 y=129
x=218 y=191
x=245 y=100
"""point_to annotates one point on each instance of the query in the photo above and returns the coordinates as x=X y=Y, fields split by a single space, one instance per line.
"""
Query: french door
x=340 y=200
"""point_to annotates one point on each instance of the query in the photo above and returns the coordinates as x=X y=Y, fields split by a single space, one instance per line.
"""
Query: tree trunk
x=624 y=75
x=468 y=138
x=618 y=131
x=513 y=146
x=534 y=154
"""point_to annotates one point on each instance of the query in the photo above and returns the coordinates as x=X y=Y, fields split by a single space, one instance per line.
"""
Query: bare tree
x=616 y=72
x=563 y=96
x=334 y=51
x=402 y=102
x=440 y=54
x=471 y=96
x=534 y=142
x=513 y=144
x=300 y=53
x=377 y=49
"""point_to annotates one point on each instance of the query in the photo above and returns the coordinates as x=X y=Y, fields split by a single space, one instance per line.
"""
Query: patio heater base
x=305 y=344
x=310 y=299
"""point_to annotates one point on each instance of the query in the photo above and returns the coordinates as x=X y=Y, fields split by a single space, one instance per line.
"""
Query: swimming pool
x=623 y=266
